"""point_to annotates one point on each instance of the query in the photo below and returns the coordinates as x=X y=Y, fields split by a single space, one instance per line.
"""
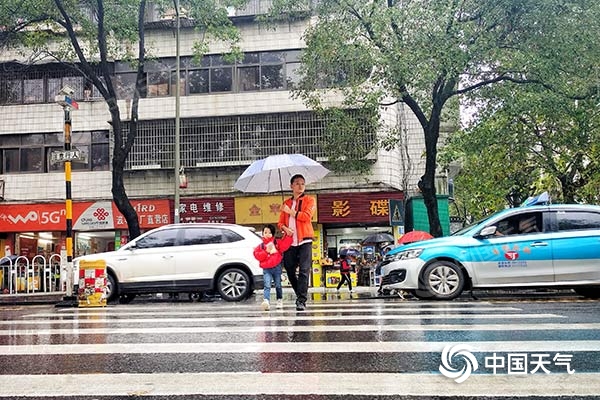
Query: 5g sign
x=51 y=217
x=42 y=218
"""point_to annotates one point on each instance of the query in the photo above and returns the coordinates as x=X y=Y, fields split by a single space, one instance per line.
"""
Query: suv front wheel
x=233 y=284
x=444 y=280
x=112 y=289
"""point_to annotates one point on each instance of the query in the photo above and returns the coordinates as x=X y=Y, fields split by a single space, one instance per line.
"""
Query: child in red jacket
x=270 y=254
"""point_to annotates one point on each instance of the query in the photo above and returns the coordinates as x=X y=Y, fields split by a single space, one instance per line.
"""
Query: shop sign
x=214 y=209
x=93 y=216
x=87 y=216
x=151 y=214
x=360 y=207
x=258 y=210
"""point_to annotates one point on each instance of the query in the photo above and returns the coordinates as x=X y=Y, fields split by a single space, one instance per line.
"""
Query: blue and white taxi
x=531 y=246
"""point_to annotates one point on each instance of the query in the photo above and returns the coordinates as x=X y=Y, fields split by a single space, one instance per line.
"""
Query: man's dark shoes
x=300 y=306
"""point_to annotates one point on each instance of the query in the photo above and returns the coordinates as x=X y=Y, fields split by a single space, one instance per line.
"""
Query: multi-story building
x=230 y=115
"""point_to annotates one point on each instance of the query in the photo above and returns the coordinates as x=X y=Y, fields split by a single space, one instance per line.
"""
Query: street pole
x=177 y=119
x=68 y=204
x=67 y=103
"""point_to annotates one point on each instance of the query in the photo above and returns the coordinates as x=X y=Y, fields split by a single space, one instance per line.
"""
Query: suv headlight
x=404 y=255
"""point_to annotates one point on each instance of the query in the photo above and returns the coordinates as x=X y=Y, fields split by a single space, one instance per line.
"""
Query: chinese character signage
x=151 y=213
x=87 y=216
x=373 y=207
x=212 y=209
x=258 y=210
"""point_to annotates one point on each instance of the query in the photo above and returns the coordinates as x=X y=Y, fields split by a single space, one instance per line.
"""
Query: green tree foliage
x=526 y=141
x=426 y=52
x=88 y=35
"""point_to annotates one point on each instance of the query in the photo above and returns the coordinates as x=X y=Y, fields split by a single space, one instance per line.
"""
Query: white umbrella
x=273 y=174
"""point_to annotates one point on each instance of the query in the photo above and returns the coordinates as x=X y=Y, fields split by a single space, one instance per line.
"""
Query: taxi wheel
x=233 y=284
x=444 y=280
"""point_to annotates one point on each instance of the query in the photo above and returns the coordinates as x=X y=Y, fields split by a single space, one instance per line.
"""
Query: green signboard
x=417 y=218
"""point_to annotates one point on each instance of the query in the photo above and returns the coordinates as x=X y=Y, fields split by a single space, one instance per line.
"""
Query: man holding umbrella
x=295 y=220
x=268 y=175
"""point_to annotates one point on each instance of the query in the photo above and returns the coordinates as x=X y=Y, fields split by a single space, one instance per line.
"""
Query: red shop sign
x=209 y=209
x=372 y=207
x=87 y=216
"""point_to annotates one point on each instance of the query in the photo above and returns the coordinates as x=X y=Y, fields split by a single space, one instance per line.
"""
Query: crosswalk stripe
x=380 y=340
x=300 y=384
x=294 y=328
x=298 y=347
x=253 y=305
x=257 y=311
x=276 y=316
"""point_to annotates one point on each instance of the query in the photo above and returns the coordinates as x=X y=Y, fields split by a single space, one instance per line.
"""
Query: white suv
x=180 y=258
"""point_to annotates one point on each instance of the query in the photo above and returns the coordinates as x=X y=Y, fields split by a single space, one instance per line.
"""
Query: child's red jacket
x=268 y=260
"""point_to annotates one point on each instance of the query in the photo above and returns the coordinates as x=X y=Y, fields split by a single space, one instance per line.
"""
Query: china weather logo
x=466 y=360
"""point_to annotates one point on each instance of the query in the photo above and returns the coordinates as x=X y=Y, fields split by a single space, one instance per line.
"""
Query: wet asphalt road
x=341 y=347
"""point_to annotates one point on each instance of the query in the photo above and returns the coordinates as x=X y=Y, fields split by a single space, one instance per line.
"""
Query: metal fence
x=41 y=274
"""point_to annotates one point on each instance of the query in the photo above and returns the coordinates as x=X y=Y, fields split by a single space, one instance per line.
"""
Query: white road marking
x=309 y=328
x=299 y=347
x=276 y=316
x=258 y=311
x=301 y=384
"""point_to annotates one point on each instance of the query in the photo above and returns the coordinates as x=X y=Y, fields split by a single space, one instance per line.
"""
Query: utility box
x=92 y=283
x=417 y=219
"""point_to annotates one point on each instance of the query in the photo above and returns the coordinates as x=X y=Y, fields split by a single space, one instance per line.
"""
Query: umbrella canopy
x=378 y=237
x=414 y=236
x=349 y=252
x=273 y=174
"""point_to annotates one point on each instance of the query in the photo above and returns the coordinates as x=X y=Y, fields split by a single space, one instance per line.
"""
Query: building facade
x=230 y=115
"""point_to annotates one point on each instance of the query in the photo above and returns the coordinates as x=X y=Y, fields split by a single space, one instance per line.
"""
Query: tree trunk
x=431 y=133
x=427 y=184
x=569 y=189
x=123 y=147
x=118 y=165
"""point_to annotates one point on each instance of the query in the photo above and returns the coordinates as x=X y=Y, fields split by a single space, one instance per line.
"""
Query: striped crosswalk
x=370 y=348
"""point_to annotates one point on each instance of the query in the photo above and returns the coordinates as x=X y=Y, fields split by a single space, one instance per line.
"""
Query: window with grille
x=233 y=140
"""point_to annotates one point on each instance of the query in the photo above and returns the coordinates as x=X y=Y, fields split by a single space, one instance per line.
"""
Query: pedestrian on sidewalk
x=295 y=220
x=270 y=255
x=345 y=269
